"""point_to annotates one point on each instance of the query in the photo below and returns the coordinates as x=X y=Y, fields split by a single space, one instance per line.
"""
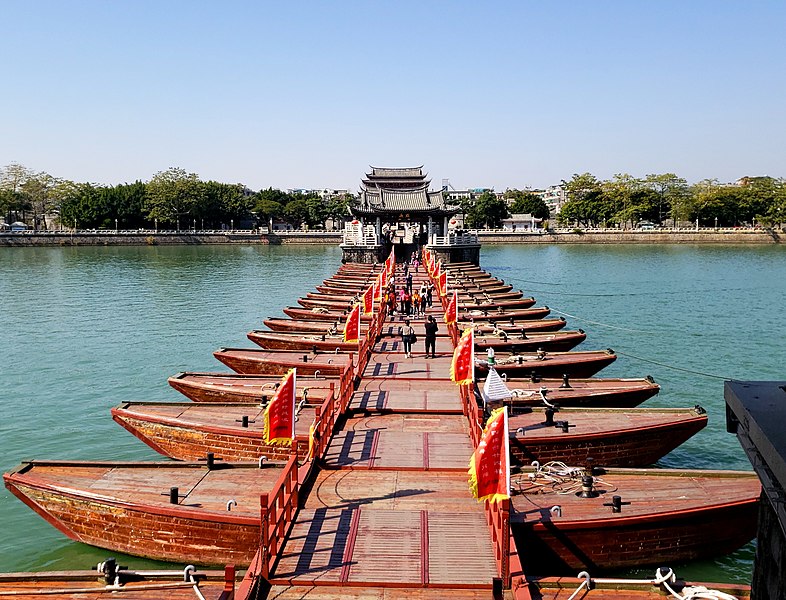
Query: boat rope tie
x=664 y=577
x=116 y=585
x=556 y=477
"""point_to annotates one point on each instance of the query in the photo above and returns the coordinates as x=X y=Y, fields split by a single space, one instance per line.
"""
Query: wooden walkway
x=390 y=514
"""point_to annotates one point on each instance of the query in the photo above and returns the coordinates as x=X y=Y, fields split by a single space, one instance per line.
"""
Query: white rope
x=664 y=578
x=688 y=592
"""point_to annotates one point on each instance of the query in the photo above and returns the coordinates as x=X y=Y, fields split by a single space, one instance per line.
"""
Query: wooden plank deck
x=395 y=365
x=391 y=514
x=400 y=441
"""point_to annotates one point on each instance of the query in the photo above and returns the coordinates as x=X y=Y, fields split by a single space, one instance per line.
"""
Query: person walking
x=416 y=303
x=407 y=337
x=409 y=282
x=430 y=294
x=431 y=335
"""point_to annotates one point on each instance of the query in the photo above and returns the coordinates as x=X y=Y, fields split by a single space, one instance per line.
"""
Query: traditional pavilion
x=397 y=210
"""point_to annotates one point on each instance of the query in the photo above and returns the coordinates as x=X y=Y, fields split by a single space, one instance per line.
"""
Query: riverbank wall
x=152 y=238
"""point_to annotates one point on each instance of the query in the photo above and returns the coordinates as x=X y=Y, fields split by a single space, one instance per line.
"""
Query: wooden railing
x=498 y=519
x=324 y=422
x=277 y=514
x=278 y=511
x=497 y=513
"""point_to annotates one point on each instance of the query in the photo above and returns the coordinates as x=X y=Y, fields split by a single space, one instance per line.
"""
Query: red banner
x=443 y=283
x=280 y=412
x=352 y=326
x=378 y=289
x=463 y=365
x=451 y=313
x=489 y=471
x=368 y=300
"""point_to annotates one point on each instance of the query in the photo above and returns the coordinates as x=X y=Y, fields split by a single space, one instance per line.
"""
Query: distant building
x=521 y=222
x=555 y=197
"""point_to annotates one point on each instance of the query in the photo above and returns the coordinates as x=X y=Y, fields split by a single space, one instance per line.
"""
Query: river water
x=84 y=329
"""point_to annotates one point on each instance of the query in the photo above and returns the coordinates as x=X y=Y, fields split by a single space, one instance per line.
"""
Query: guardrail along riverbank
x=573 y=236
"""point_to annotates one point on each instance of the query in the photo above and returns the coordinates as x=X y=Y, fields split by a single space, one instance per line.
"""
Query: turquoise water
x=87 y=328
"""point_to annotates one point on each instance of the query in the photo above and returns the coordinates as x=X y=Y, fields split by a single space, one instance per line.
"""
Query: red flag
x=489 y=472
x=383 y=278
x=451 y=313
x=377 y=293
x=463 y=365
x=280 y=412
x=443 y=283
x=352 y=326
x=368 y=300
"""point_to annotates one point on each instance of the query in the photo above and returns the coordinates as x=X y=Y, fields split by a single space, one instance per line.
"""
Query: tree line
x=172 y=198
x=666 y=199
x=177 y=199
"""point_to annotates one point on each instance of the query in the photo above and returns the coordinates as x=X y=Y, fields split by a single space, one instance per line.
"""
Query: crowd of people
x=413 y=302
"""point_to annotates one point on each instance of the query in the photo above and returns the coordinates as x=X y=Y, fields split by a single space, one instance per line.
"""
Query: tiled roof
x=402 y=201
x=408 y=172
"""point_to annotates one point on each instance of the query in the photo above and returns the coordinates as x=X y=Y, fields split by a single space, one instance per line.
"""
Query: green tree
x=173 y=194
x=587 y=204
x=488 y=211
x=269 y=204
x=13 y=197
x=525 y=202
x=672 y=194
x=83 y=207
x=296 y=212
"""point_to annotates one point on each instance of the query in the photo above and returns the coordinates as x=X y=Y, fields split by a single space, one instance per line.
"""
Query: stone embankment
x=637 y=236
x=164 y=238
x=151 y=238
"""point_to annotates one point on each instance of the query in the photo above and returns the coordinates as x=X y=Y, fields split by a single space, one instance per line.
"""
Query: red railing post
x=264 y=527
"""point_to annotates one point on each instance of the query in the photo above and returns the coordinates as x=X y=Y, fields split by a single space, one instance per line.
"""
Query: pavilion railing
x=462 y=239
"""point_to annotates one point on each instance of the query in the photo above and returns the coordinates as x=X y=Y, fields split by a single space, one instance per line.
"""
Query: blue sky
x=308 y=94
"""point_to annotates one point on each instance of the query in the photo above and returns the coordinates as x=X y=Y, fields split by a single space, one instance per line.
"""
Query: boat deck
x=390 y=515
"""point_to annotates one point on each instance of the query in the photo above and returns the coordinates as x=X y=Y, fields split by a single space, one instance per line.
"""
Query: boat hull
x=608 y=393
x=672 y=516
x=555 y=364
x=611 y=438
x=118 y=516
x=234 y=388
x=214 y=428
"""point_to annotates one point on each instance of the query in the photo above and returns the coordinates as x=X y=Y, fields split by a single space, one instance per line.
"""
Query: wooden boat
x=391 y=327
x=329 y=304
x=278 y=340
x=188 y=431
x=612 y=437
x=550 y=364
x=552 y=341
x=490 y=286
x=496 y=304
x=322 y=314
x=112 y=581
x=664 y=516
x=279 y=324
x=464 y=297
x=499 y=315
x=234 y=387
x=515 y=327
x=470 y=295
x=609 y=393
x=278 y=362
x=563 y=588
x=171 y=511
